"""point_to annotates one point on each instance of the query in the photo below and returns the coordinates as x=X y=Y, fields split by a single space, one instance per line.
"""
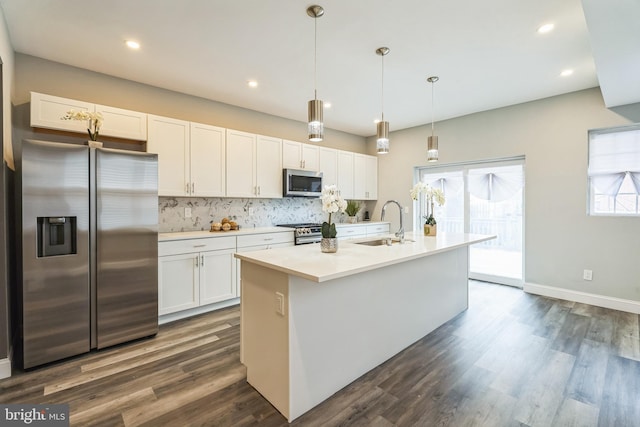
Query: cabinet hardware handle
x=258 y=190
x=197 y=258
x=193 y=188
x=186 y=188
x=266 y=239
x=202 y=260
x=199 y=246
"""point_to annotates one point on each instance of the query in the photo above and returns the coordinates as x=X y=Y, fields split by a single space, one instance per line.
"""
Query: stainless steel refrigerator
x=87 y=224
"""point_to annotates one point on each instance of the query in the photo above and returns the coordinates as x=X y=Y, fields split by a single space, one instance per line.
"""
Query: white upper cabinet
x=329 y=165
x=123 y=123
x=241 y=164
x=269 y=167
x=254 y=165
x=207 y=166
x=297 y=155
x=365 y=172
x=47 y=112
x=169 y=139
x=191 y=157
x=345 y=174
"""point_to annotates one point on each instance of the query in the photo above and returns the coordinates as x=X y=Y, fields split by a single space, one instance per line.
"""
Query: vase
x=352 y=219
x=430 y=230
x=329 y=245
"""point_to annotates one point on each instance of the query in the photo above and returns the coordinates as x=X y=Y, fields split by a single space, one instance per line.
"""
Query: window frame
x=591 y=193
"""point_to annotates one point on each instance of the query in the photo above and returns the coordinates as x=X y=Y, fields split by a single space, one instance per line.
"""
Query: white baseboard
x=629 y=306
x=5 y=368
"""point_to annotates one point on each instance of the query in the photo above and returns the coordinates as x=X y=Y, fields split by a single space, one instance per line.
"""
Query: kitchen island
x=312 y=322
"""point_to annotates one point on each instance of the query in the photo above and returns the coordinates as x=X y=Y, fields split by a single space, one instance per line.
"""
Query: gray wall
x=39 y=75
x=7 y=57
x=561 y=240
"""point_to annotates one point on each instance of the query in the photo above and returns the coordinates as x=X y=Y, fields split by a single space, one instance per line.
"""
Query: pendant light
x=432 y=144
x=315 y=107
x=382 y=140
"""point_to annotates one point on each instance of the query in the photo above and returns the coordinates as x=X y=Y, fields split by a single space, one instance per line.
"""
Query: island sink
x=383 y=242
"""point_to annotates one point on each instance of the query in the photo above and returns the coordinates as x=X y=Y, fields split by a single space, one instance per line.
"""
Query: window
x=482 y=198
x=614 y=171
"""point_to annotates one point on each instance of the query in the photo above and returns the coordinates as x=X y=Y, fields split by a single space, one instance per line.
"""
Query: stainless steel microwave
x=301 y=183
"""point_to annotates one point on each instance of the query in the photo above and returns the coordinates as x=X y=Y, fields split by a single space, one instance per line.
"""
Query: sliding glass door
x=484 y=198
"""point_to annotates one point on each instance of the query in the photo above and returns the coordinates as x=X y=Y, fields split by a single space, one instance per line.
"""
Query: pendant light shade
x=382 y=128
x=432 y=141
x=315 y=106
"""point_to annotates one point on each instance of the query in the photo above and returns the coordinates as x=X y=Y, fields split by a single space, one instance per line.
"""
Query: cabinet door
x=345 y=174
x=328 y=165
x=178 y=283
x=371 y=177
x=169 y=139
x=217 y=276
x=359 y=175
x=208 y=172
x=291 y=154
x=310 y=157
x=269 y=167
x=241 y=164
x=47 y=112
x=123 y=123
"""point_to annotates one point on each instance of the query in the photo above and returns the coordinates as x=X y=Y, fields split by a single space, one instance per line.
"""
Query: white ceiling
x=487 y=54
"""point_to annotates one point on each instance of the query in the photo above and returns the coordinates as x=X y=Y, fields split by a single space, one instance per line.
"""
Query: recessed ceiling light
x=252 y=83
x=133 y=44
x=546 y=28
x=327 y=104
x=566 y=73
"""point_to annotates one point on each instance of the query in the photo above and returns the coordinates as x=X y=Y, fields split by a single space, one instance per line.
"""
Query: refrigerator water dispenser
x=56 y=235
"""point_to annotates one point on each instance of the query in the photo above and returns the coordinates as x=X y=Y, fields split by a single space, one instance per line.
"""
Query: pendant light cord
x=382 y=97
x=315 y=58
x=432 y=115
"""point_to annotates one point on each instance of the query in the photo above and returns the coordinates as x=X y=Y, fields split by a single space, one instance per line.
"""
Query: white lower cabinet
x=360 y=230
x=195 y=272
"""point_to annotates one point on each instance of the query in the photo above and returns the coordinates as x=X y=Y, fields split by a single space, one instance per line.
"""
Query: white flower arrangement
x=94 y=120
x=332 y=202
x=431 y=195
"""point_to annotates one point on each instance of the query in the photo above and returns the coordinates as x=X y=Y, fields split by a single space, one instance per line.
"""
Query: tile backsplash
x=246 y=212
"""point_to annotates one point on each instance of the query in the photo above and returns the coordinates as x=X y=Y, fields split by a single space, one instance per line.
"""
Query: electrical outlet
x=250 y=211
x=280 y=303
x=187 y=212
x=406 y=209
x=587 y=275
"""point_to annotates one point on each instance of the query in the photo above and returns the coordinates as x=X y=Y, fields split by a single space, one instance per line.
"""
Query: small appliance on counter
x=87 y=250
x=366 y=216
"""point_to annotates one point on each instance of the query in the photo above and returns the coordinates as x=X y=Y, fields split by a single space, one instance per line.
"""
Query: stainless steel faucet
x=400 y=232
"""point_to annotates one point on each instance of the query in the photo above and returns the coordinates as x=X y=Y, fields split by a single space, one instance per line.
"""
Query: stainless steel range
x=305 y=232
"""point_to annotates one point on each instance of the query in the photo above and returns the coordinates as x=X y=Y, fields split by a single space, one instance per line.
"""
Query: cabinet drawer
x=351 y=231
x=196 y=245
x=265 y=239
x=377 y=229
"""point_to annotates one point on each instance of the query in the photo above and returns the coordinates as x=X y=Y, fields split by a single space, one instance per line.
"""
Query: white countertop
x=182 y=235
x=307 y=261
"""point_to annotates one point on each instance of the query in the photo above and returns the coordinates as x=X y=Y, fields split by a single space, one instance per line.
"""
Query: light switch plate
x=280 y=303
x=187 y=212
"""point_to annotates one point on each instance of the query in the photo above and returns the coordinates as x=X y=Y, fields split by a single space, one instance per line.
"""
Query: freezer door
x=126 y=284
x=55 y=251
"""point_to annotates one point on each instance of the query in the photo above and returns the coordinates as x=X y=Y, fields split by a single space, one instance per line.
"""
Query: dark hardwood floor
x=511 y=359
